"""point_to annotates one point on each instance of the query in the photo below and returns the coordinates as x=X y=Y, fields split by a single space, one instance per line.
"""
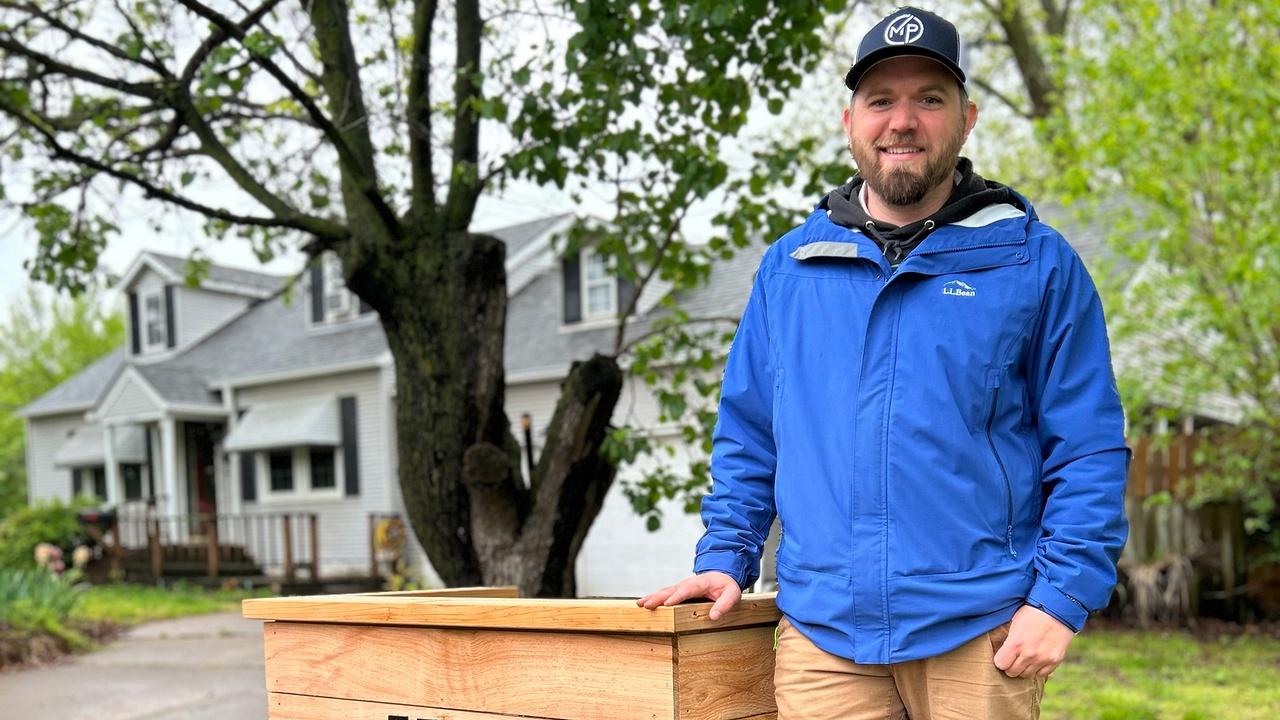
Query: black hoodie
x=971 y=194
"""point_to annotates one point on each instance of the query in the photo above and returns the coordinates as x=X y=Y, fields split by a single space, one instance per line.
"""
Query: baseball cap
x=908 y=31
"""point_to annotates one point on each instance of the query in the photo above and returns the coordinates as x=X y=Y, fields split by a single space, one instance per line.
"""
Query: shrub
x=52 y=522
x=37 y=601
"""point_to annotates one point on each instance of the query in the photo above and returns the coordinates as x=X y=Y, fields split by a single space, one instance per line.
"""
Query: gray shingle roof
x=516 y=237
x=221 y=273
x=82 y=390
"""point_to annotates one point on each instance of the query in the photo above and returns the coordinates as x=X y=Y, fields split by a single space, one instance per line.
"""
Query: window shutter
x=572 y=281
x=248 y=478
x=365 y=307
x=170 y=322
x=76 y=483
x=350 y=445
x=626 y=291
x=134 y=332
x=317 y=292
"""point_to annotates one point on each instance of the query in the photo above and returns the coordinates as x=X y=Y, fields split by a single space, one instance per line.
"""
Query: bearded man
x=920 y=388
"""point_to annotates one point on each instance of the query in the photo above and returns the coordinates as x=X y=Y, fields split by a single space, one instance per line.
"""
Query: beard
x=901 y=186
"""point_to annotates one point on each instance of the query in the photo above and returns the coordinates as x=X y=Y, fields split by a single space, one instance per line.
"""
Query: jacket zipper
x=1004 y=475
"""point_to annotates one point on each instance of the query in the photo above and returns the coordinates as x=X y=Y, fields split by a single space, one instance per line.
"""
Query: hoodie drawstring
x=895 y=246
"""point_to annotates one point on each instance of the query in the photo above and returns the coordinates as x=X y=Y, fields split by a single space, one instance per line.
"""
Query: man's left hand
x=1036 y=645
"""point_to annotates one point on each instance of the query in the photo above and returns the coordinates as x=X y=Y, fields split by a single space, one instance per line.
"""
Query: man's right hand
x=711 y=585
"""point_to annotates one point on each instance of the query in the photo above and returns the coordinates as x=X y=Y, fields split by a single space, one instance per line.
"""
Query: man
x=920 y=387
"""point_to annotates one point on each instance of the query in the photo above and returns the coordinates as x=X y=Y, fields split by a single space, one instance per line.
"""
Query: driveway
x=198 y=668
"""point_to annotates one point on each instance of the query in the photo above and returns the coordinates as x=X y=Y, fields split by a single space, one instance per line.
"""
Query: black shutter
x=169 y=321
x=350 y=445
x=134 y=332
x=151 y=472
x=626 y=291
x=365 y=307
x=248 y=478
x=317 y=293
x=76 y=483
x=572 y=281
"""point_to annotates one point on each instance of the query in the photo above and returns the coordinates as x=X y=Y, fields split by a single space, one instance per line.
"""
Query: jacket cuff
x=729 y=563
x=1066 y=609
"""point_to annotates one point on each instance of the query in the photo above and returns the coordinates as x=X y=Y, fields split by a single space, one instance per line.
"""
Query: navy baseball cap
x=908 y=31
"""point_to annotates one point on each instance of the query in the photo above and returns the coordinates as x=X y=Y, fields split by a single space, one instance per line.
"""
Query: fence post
x=153 y=544
x=315 y=548
x=373 y=546
x=288 y=548
x=117 y=547
x=211 y=539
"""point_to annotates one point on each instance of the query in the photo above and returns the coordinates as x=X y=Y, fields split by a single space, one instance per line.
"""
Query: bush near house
x=35 y=617
x=51 y=522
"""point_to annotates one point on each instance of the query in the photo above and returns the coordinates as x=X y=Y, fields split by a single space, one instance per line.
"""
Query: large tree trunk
x=443 y=308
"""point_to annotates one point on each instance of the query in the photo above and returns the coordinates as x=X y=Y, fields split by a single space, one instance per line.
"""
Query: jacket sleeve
x=1080 y=425
x=739 y=510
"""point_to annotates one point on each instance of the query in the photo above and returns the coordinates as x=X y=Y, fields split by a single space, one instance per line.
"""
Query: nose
x=903 y=117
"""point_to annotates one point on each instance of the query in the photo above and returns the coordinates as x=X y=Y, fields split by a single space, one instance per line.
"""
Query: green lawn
x=1127 y=675
x=132 y=604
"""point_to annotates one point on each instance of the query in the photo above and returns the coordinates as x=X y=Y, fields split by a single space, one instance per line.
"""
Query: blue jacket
x=941 y=444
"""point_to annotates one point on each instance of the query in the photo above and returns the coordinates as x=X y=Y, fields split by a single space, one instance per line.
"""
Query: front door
x=201 y=489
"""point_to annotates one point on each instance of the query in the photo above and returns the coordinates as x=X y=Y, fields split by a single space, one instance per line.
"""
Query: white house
x=230 y=398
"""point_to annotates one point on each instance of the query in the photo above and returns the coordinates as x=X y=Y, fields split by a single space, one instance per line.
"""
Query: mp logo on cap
x=903 y=30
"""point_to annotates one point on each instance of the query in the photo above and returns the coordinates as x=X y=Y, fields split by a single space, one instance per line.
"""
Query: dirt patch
x=22 y=648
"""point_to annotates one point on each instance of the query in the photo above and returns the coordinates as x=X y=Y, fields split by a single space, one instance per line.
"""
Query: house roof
x=81 y=391
x=537 y=342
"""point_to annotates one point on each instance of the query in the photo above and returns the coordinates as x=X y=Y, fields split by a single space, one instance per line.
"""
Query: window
x=600 y=288
x=153 y=311
x=337 y=300
x=322 y=469
x=280 y=465
x=89 y=481
x=132 y=474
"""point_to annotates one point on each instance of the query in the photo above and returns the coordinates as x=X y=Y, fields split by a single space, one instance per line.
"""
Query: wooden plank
x=545 y=674
x=508 y=613
x=284 y=706
x=752 y=609
x=505 y=591
x=725 y=674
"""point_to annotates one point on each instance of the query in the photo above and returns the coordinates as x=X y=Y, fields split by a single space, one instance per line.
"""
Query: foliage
x=52 y=522
x=36 y=600
x=42 y=343
x=1126 y=675
x=1175 y=118
x=132 y=604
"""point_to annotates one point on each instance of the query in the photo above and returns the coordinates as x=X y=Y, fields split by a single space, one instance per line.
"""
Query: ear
x=846 y=119
x=970 y=118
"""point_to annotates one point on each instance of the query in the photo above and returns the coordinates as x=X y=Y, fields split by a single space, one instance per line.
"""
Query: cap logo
x=903 y=30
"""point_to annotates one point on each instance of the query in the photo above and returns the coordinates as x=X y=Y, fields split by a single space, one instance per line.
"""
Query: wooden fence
x=1180 y=562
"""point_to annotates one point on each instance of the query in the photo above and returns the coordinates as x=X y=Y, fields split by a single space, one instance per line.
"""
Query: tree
x=360 y=128
x=42 y=343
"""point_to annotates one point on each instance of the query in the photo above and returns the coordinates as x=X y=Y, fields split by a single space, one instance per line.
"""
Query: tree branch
x=102 y=45
x=151 y=91
x=464 y=187
x=1009 y=102
x=423 y=203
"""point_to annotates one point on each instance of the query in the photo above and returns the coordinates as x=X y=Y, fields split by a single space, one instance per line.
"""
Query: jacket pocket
x=993 y=403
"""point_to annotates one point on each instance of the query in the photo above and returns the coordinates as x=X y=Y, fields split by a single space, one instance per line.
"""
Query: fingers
x=655 y=598
x=728 y=598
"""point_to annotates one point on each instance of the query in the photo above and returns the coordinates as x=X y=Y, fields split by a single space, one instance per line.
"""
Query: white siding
x=344 y=521
x=126 y=399
x=44 y=436
x=201 y=311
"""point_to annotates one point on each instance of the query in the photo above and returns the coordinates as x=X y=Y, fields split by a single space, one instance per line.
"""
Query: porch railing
x=220 y=545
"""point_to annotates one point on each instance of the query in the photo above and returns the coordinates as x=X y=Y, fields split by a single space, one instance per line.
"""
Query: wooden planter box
x=472 y=654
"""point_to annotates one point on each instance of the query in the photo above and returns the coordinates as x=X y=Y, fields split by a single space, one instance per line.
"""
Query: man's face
x=905 y=126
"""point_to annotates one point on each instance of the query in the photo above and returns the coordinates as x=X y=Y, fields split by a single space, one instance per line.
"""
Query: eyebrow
x=936 y=88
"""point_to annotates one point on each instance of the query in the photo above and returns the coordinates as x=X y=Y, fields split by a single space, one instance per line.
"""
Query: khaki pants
x=963 y=684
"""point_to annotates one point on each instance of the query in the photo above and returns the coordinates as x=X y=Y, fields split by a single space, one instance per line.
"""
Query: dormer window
x=337 y=300
x=592 y=291
x=600 y=299
x=153 y=311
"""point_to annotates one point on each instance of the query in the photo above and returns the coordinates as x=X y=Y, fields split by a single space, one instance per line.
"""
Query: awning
x=286 y=424
x=87 y=447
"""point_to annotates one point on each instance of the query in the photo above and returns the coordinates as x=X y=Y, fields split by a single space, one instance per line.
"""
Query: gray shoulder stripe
x=825 y=249
x=990 y=214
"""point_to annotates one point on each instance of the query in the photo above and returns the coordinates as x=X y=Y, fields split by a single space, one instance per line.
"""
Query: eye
x=932 y=100
x=878 y=102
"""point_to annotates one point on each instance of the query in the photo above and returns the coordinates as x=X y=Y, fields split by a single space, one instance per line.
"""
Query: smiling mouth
x=901 y=151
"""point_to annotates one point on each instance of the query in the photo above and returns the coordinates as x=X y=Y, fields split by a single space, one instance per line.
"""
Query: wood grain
x=283 y=706
x=504 y=591
x=725 y=674
x=544 y=674
x=611 y=616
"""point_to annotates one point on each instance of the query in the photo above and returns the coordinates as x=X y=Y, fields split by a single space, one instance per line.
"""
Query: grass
x=1129 y=675
x=133 y=604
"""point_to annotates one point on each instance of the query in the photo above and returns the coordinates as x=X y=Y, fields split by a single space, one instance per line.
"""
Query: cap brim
x=863 y=66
